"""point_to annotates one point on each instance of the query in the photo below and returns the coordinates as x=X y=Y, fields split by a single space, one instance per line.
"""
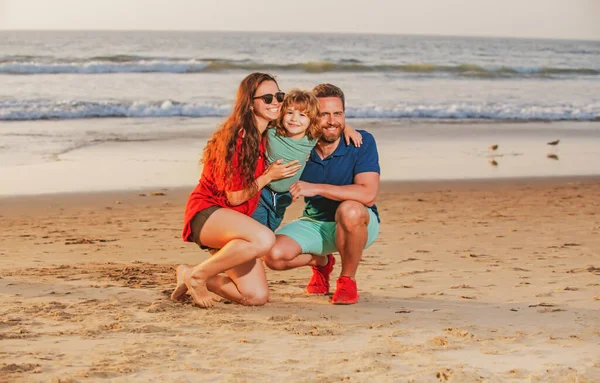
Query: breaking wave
x=45 y=110
x=23 y=65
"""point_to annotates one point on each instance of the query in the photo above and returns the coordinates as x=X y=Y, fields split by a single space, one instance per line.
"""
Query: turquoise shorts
x=318 y=237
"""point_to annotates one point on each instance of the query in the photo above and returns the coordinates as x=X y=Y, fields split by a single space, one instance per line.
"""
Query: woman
x=217 y=212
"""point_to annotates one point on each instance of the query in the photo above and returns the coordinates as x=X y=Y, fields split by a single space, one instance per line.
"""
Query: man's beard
x=332 y=137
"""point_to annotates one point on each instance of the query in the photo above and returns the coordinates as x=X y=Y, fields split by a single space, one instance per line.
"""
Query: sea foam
x=78 y=109
x=21 y=65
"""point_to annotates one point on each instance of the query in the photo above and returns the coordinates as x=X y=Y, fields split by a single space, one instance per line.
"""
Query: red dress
x=206 y=193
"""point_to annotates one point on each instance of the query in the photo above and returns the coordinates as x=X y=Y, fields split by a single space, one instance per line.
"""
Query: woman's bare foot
x=197 y=289
x=217 y=298
x=181 y=288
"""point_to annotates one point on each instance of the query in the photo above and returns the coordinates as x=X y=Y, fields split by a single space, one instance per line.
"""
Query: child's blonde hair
x=307 y=103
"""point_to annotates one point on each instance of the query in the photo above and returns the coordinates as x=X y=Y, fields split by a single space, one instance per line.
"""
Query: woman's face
x=262 y=110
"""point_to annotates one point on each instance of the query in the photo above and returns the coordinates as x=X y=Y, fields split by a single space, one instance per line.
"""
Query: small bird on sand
x=552 y=156
x=493 y=147
x=553 y=143
x=493 y=163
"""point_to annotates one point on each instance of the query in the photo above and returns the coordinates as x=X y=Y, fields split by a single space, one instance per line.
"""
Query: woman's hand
x=350 y=134
x=278 y=170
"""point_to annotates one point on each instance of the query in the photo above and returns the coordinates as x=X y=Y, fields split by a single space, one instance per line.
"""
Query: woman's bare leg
x=245 y=284
x=241 y=241
x=181 y=288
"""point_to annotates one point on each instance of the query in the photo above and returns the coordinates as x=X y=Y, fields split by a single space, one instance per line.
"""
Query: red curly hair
x=305 y=102
x=221 y=147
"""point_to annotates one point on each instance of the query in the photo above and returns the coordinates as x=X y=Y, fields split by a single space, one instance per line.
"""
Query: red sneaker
x=345 y=292
x=319 y=283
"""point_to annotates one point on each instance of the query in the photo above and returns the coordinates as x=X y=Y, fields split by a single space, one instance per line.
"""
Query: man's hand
x=303 y=189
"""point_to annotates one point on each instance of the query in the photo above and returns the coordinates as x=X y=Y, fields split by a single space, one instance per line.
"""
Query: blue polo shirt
x=338 y=169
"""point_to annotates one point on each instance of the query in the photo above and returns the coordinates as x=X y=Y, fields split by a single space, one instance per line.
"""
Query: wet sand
x=117 y=154
x=495 y=280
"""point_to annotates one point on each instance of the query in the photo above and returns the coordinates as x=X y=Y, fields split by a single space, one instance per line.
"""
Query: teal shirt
x=283 y=147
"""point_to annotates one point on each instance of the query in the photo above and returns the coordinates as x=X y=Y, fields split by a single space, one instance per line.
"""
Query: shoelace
x=341 y=287
x=322 y=279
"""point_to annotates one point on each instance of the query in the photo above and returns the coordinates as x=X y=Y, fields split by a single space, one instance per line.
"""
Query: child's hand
x=350 y=134
x=278 y=170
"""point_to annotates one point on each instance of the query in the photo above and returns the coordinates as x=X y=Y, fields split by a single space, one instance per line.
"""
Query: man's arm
x=363 y=190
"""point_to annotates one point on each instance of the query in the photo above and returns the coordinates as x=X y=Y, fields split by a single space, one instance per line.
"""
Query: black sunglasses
x=268 y=98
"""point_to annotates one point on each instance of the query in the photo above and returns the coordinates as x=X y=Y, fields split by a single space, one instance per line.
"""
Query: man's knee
x=284 y=250
x=351 y=214
x=276 y=258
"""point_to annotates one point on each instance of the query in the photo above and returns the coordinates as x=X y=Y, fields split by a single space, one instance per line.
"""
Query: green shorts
x=318 y=237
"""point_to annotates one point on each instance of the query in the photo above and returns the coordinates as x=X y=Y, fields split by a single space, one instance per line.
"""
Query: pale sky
x=568 y=19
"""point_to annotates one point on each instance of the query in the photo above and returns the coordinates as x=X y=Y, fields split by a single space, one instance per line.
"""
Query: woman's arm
x=277 y=170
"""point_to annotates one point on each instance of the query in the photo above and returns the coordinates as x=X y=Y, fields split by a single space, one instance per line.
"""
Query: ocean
x=112 y=110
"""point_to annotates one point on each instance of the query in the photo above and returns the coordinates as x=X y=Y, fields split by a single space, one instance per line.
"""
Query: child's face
x=295 y=122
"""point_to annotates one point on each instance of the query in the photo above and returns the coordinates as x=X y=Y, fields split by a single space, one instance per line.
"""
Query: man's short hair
x=329 y=90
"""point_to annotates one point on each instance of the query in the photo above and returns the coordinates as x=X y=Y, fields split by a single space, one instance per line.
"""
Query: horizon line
x=309 y=33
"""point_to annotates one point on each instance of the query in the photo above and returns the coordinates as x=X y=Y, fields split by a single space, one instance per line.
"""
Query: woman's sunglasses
x=268 y=98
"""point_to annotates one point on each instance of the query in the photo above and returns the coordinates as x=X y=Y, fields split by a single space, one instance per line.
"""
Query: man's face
x=333 y=120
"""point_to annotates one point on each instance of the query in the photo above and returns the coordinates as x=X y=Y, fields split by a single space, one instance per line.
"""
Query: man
x=340 y=184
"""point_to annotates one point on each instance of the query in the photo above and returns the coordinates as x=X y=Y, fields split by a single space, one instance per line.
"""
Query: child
x=294 y=135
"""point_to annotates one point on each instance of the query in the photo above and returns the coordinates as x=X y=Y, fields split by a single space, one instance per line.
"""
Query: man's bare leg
x=286 y=254
x=351 y=236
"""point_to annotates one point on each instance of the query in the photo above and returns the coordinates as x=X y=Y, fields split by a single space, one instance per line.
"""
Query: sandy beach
x=495 y=280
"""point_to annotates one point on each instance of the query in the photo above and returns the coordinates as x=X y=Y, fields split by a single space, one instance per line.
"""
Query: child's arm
x=350 y=134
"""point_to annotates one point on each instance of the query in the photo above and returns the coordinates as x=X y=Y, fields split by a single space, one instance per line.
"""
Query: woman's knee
x=263 y=241
x=257 y=297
